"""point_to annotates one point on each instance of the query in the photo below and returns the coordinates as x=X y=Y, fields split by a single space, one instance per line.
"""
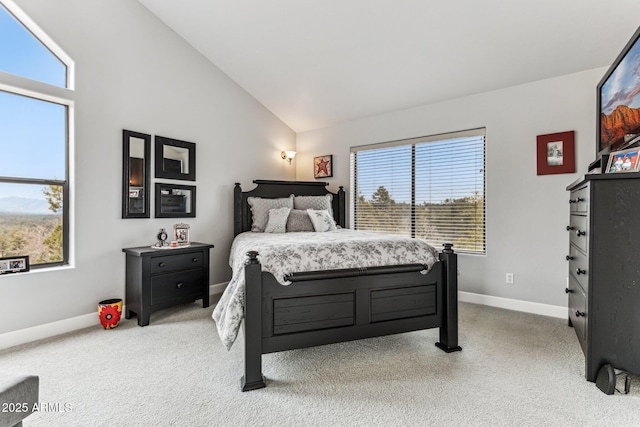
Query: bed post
x=252 y=378
x=449 y=328
x=237 y=209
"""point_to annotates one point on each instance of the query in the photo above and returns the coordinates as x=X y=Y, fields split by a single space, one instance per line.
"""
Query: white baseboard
x=514 y=304
x=47 y=330
x=26 y=335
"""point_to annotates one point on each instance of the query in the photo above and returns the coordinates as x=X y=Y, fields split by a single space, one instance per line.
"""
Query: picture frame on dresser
x=624 y=161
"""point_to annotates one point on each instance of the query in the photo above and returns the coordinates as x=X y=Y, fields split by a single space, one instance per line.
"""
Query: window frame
x=413 y=142
x=64 y=96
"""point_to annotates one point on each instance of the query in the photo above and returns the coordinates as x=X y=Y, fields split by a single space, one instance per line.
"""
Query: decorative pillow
x=321 y=220
x=320 y=203
x=299 y=221
x=260 y=210
x=277 y=220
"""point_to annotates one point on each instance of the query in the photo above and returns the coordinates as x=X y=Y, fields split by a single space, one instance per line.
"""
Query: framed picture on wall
x=323 y=166
x=623 y=161
x=556 y=153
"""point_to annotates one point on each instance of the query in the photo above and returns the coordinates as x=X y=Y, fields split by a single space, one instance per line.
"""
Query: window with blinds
x=431 y=188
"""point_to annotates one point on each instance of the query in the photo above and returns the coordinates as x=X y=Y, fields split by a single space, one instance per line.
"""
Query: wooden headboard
x=277 y=189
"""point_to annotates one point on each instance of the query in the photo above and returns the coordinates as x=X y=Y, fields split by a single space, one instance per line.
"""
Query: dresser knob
x=570 y=227
x=569 y=257
x=580 y=233
x=162 y=264
x=579 y=271
x=580 y=313
x=572 y=201
x=579 y=199
x=179 y=285
x=567 y=291
x=194 y=259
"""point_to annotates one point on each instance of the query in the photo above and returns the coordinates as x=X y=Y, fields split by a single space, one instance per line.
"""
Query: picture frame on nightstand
x=181 y=234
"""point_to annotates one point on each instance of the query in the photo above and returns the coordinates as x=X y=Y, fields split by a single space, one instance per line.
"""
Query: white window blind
x=432 y=188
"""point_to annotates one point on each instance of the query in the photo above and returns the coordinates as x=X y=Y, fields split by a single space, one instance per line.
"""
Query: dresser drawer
x=168 y=263
x=578 y=312
x=578 y=263
x=578 y=231
x=176 y=286
x=579 y=200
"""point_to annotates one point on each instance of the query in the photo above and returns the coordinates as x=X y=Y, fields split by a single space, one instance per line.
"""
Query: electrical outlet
x=510 y=278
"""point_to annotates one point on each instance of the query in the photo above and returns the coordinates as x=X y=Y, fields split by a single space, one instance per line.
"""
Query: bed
x=317 y=307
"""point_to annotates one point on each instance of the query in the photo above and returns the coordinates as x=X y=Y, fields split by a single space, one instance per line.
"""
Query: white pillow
x=277 y=222
x=322 y=220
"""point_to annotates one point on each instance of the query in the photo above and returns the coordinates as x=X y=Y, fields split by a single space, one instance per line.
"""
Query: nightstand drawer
x=168 y=263
x=578 y=231
x=175 y=286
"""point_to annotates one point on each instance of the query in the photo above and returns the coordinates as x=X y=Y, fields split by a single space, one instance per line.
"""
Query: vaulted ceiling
x=318 y=63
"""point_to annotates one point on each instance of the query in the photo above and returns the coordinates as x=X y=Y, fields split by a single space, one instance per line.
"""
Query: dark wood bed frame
x=324 y=307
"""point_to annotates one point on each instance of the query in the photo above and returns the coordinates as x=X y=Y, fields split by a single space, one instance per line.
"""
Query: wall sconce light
x=288 y=155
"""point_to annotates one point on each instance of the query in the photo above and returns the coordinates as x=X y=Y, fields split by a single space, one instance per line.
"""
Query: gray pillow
x=299 y=221
x=277 y=220
x=260 y=210
x=319 y=203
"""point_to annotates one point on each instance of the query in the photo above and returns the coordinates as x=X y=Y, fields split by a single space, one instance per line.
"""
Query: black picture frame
x=175 y=159
x=14 y=264
x=175 y=201
x=135 y=174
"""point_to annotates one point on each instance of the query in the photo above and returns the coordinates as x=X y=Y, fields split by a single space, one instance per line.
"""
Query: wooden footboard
x=341 y=305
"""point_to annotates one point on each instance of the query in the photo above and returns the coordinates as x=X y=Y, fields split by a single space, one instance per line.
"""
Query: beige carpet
x=515 y=369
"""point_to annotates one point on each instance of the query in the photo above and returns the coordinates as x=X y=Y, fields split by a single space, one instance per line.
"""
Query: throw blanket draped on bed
x=281 y=254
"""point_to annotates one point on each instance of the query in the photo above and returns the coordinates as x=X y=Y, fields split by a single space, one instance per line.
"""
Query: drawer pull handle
x=179 y=285
x=569 y=257
x=579 y=271
x=570 y=227
x=580 y=313
x=194 y=259
x=580 y=233
x=579 y=199
x=162 y=264
x=567 y=291
x=573 y=201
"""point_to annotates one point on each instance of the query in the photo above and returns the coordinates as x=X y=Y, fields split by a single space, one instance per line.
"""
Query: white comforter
x=281 y=254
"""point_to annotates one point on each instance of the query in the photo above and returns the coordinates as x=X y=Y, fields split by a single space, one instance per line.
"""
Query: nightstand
x=161 y=278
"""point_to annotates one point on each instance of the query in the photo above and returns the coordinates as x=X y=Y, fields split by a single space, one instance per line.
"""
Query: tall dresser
x=604 y=270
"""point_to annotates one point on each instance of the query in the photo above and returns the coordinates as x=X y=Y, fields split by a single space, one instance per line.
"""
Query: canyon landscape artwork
x=622 y=121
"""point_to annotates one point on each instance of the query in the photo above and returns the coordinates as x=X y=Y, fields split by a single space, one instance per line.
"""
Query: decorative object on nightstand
x=109 y=312
x=162 y=238
x=157 y=279
x=181 y=235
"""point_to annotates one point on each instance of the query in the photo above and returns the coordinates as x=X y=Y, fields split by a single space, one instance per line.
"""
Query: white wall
x=133 y=72
x=526 y=214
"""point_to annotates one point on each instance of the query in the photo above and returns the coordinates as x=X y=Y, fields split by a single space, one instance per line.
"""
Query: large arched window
x=36 y=106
